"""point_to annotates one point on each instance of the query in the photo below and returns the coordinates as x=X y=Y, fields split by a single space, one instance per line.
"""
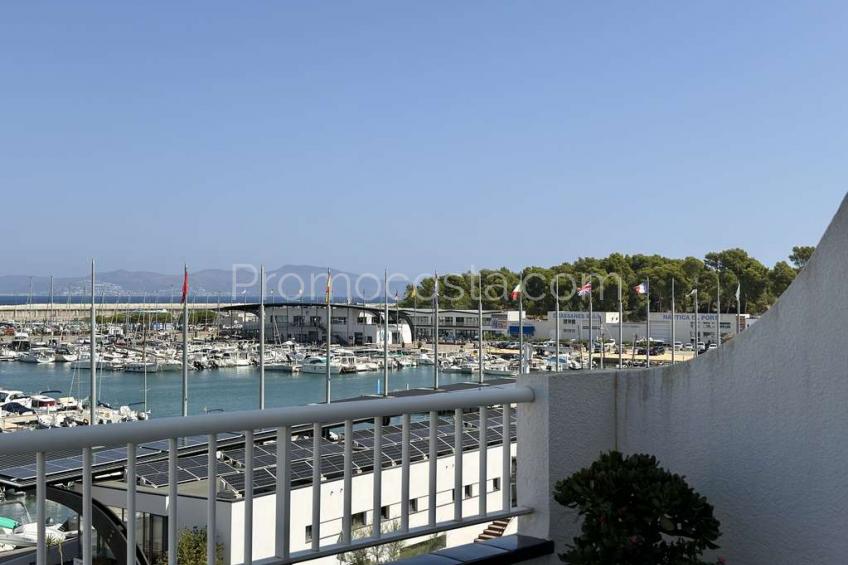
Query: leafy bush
x=636 y=513
x=191 y=549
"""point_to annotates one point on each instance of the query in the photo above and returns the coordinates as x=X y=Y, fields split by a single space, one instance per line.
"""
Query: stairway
x=494 y=530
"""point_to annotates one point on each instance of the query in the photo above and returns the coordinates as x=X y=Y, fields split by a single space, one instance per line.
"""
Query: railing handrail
x=177 y=427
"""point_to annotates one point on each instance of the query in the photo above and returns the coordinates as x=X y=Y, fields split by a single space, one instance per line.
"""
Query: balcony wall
x=760 y=426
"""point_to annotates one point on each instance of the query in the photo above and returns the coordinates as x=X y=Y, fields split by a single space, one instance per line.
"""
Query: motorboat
x=319 y=365
x=66 y=354
x=38 y=355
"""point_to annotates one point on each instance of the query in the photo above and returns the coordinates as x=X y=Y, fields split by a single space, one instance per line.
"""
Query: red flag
x=185 y=288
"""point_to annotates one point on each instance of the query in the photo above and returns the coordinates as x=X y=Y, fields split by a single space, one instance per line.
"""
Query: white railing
x=282 y=420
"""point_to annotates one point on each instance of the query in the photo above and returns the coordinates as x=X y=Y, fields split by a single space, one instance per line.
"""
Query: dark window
x=469 y=491
x=357 y=520
x=385 y=512
x=308 y=534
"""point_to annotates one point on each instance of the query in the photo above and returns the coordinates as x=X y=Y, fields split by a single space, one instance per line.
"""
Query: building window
x=358 y=520
x=468 y=491
x=385 y=512
x=413 y=505
x=308 y=534
x=496 y=484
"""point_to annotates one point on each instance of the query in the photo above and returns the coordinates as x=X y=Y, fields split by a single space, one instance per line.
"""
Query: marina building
x=575 y=326
x=352 y=324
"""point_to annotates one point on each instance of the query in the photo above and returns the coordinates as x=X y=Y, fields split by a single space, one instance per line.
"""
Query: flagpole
x=262 y=337
x=648 y=296
x=386 y=333
x=620 y=327
x=556 y=285
x=185 y=340
x=697 y=351
x=327 y=385
x=436 y=330
x=92 y=401
x=521 y=324
x=718 y=307
x=672 y=321
x=591 y=343
x=738 y=308
x=480 y=326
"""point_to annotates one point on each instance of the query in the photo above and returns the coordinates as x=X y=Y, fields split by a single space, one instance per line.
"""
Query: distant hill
x=292 y=280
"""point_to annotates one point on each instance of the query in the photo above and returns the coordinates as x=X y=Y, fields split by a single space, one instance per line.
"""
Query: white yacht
x=38 y=355
x=319 y=365
x=66 y=354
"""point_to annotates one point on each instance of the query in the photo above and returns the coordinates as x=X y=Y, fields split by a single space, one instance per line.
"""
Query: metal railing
x=282 y=421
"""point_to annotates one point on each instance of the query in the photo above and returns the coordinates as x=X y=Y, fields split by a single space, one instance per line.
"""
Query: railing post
x=283 y=490
x=172 y=501
x=316 y=486
x=404 y=475
x=40 y=514
x=484 y=452
x=86 y=506
x=211 y=496
x=506 y=464
x=348 y=481
x=457 y=464
x=376 y=519
x=432 y=473
x=131 y=490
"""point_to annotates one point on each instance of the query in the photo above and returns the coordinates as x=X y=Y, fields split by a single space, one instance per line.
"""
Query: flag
x=641 y=288
x=585 y=289
x=185 y=287
x=329 y=286
x=516 y=292
x=694 y=292
x=738 y=291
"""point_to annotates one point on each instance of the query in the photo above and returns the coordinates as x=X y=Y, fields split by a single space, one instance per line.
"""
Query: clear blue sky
x=477 y=133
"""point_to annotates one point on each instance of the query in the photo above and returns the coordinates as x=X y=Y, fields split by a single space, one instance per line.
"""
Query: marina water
x=227 y=389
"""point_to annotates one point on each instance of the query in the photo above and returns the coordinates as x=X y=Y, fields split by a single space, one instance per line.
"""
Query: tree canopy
x=723 y=271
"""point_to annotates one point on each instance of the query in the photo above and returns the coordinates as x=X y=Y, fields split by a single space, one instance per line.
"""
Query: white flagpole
x=327 y=386
x=386 y=333
x=697 y=351
x=480 y=326
x=92 y=418
x=718 y=308
x=672 y=322
x=556 y=337
x=591 y=321
x=521 y=323
x=436 y=330
x=185 y=346
x=648 y=296
x=262 y=337
x=620 y=327
x=738 y=308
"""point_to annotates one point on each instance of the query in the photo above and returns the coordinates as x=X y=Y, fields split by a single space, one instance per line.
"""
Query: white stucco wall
x=760 y=426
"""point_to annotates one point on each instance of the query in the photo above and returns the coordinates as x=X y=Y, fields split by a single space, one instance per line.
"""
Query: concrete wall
x=760 y=426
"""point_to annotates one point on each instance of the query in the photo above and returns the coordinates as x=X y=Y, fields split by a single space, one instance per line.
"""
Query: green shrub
x=636 y=513
x=191 y=549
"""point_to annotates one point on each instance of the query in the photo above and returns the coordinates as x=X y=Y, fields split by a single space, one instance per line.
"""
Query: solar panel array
x=152 y=466
x=20 y=470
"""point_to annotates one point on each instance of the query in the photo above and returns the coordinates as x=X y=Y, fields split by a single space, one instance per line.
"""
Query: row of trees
x=760 y=285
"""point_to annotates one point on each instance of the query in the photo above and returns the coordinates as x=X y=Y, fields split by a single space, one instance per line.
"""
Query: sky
x=415 y=135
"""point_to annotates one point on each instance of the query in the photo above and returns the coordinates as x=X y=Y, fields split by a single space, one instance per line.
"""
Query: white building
x=351 y=324
x=459 y=324
x=575 y=326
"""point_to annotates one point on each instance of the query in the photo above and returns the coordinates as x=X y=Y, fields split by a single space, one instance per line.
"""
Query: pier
x=81 y=311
